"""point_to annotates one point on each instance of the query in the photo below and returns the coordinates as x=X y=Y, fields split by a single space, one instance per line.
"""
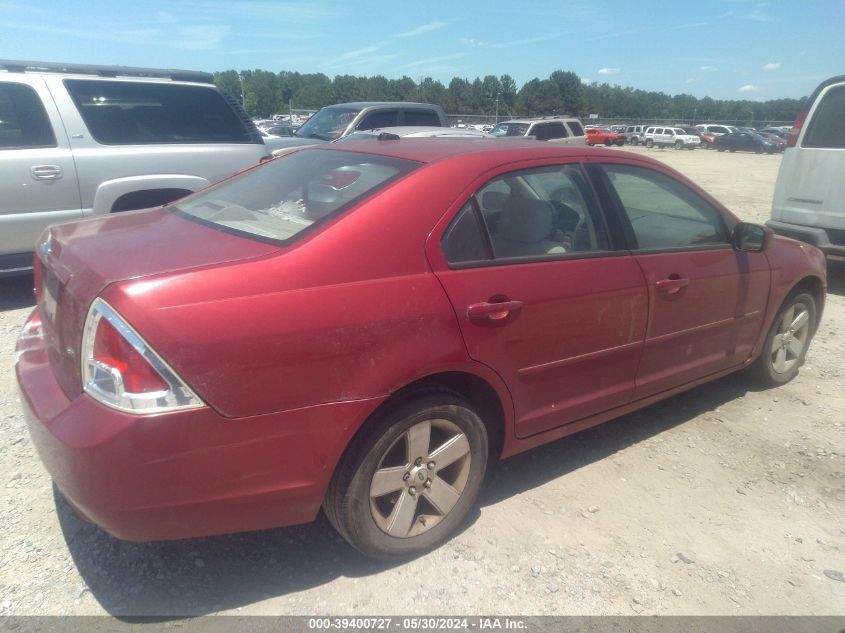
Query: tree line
x=265 y=93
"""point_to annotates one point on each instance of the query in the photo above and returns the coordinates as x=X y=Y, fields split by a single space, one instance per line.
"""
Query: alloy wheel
x=791 y=338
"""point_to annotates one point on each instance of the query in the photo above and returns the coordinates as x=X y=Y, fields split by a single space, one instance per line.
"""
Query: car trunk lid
x=76 y=261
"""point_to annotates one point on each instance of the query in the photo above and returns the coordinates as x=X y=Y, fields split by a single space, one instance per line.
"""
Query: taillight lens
x=792 y=141
x=120 y=369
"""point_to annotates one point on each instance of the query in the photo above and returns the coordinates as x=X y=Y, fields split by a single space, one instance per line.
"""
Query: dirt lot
x=724 y=500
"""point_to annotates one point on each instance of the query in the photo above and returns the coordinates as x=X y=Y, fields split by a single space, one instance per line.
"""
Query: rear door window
x=140 y=113
x=556 y=130
x=385 y=118
x=827 y=127
x=422 y=117
x=23 y=120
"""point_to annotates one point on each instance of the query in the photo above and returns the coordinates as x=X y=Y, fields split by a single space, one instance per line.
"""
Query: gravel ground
x=724 y=500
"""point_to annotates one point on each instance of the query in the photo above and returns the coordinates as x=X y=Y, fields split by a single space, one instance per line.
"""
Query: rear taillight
x=120 y=369
x=792 y=141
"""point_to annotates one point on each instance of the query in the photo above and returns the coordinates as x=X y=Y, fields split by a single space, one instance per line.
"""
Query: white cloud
x=710 y=69
x=748 y=88
x=759 y=16
x=691 y=80
x=471 y=41
x=434 y=60
x=609 y=71
x=424 y=28
x=772 y=66
x=586 y=81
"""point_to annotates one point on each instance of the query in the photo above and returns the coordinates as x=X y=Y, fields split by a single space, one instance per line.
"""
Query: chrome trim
x=105 y=384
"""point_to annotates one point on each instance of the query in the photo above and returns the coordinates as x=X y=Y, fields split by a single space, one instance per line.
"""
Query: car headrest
x=525 y=220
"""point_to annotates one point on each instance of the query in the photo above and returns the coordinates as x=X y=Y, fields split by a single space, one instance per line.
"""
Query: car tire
x=389 y=498
x=649 y=142
x=635 y=141
x=608 y=142
x=787 y=342
x=720 y=149
x=620 y=142
x=679 y=145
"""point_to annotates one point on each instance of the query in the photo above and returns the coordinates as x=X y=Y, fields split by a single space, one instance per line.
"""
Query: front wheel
x=679 y=145
x=406 y=486
x=786 y=345
x=649 y=142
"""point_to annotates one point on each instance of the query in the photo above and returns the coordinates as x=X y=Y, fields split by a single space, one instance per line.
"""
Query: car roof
x=483 y=151
x=369 y=104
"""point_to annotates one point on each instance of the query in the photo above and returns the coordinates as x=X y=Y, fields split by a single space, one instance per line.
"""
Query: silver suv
x=77 y=141
x=660 y=136
x=566 y=130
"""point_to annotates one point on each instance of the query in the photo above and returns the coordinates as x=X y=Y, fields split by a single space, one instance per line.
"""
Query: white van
x=809 y=200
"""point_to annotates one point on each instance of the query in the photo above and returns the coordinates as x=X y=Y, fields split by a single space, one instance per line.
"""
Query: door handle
x=495 y=311
x=672 y=285
x=46 y=172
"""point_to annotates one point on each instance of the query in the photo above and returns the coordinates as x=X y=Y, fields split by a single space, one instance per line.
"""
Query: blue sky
x=725 y=49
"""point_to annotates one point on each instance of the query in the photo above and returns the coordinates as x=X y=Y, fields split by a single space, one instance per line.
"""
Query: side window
x=23 y=120
x=826 y=129
x=556 y=130
x=662 y=212
x=540 y=132
x=385 y=118
x=576 y=128
x=422 y=117
x=140 y=113
x=464 y=240
x=540 y=212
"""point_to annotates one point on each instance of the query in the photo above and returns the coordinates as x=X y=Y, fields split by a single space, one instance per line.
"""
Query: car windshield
x=328 y=124
x=281 y=199
x=510 y=129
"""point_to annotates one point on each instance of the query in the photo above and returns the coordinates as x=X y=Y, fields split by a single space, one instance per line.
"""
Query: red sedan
x=603 y=136
x=362 y=328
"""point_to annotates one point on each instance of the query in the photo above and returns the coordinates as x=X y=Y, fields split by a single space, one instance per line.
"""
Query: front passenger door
x=706 y=299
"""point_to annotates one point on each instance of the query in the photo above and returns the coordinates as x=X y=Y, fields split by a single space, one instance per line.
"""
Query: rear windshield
x=139 y=113
x=282 y=199
x=826 y=128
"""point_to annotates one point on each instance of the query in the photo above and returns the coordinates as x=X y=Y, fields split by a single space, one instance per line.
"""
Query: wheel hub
x=418 y=478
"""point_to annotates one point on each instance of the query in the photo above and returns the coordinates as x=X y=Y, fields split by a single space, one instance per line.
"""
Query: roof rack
x=15 y=66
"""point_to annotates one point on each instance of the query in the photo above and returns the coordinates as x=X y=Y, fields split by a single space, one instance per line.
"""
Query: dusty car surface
x=363 y=327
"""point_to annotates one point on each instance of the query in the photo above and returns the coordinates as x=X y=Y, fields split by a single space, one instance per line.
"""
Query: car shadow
x=16 y=292
x=201 y=576
x=836 y=277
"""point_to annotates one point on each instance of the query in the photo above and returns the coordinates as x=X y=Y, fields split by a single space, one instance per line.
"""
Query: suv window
x=662 y=212
x=422 y=117
x=556 y=130
x=540 y=131
x=576 y=128
x=530 y=213
x=826 y=129
x=510 y=129
x=382 y=118
x=23 y=120
x=138 y=113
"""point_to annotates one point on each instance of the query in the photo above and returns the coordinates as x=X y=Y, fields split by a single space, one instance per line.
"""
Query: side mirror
x=752 y=238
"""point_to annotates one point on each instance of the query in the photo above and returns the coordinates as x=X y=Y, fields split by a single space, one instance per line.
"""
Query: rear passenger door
x=706 y=299
x=37 y=172
x=541 y=295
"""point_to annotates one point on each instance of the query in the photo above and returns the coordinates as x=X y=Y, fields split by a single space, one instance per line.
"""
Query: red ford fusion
x=363 y=328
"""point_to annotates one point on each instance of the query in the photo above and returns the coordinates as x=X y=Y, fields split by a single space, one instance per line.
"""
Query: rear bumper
x=186 y=473
x=818 y=237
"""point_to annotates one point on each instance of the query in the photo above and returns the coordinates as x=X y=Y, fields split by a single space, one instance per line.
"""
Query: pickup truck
x=342 y=119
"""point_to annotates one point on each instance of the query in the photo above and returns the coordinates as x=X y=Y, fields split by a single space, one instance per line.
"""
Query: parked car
x=809 y=200
x=776 y=139
x=280 y=130
x=395 y=133
x=335 y=121
x=705 y=141
x=670 y=137
x=565 y=130
x=79 y=140
x=604 y=136
x=716 y=130
x=635 y=134
x=743 y=141
x=362 y=327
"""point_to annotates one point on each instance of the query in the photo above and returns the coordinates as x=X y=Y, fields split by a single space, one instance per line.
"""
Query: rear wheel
x=608 y=142
x=787 y=342
x=408 y=484
x=679 y=144
x=635 y=141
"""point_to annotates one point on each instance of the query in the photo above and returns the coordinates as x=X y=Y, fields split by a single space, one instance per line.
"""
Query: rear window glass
x=422 y=117
x=139 y=113
x=23 y=120
x=826 y=128
x=285 y=197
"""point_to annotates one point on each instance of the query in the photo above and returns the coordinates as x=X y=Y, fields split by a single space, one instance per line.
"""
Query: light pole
x=243 y=98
